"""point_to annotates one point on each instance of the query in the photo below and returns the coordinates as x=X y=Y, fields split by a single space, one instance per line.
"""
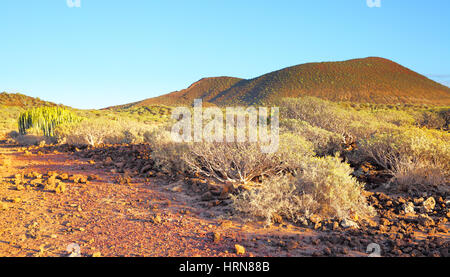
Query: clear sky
x=110 y=52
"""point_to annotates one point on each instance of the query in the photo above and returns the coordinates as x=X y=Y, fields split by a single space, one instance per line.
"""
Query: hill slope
x=21 y=100
x=368 y=80
x=206 y=89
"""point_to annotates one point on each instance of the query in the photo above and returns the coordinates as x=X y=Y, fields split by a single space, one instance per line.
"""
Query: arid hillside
x=368 y=80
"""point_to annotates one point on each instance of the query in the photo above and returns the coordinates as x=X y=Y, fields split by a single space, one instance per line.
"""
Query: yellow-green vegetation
x=8 y=118
x=311 y=172
x=393 y=138
x=45 y=119
x=98 y=131
x=322 y=143
x=111 y=126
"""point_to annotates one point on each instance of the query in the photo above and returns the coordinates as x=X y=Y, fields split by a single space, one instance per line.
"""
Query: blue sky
x=110 y=52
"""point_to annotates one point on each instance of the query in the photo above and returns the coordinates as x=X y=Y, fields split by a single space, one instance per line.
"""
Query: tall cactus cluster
x=45 y=119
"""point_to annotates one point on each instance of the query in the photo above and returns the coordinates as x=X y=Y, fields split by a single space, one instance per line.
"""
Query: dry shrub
x=324 y=187
x=325 y=142
x=227 y=161
x=27 y=140
x=166 y=153
x=424 y=154
x=241 y=162
x=433 y=120
x=317 y=112
x=102 y=131
x=341 y=121
x=415 y=174
x=414 y=143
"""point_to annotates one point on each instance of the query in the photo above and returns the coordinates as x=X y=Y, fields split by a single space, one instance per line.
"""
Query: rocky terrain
x=112 y=201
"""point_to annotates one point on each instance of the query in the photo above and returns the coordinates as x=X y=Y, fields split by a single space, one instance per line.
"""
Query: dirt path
x=143 y=218
x=104 y=215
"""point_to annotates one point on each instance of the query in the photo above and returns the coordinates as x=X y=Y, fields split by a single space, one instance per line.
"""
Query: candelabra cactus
x=45 y=119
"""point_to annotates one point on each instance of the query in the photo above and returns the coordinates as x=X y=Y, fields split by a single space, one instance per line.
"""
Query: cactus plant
x=45 y=119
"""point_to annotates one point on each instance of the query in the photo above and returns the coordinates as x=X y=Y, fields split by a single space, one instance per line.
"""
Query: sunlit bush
x=241 y=162
x=325 y=142
x=324 y=187
x=100 y=131
x=398 y=152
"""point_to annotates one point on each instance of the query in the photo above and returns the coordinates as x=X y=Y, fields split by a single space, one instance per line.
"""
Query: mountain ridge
x=364 y=80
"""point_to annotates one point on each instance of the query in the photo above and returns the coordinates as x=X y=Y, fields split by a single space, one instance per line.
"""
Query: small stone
x=240 y=250
x=418 y=201
x=177 y=189
x=17 y=200
x=226 y=224
x=335 y=225
x=429 y=204
x=372 y=223
x=345 y=223
x=207 y=196
x=385 y=222
x=216 y=237
x=108 y=160
x=291 y=245
x=425 y=220
x=408 y=208
x=327 y=251
x=157 y=219
x=315 y=218
x=61 y=188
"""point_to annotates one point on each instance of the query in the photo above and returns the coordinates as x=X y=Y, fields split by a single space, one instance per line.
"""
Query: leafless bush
x=241 y=162
x=418 y=174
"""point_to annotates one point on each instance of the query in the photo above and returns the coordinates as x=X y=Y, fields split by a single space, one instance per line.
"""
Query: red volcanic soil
x=109 y=213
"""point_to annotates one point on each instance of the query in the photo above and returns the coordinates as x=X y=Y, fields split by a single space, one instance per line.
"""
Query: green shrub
x=325 y=142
